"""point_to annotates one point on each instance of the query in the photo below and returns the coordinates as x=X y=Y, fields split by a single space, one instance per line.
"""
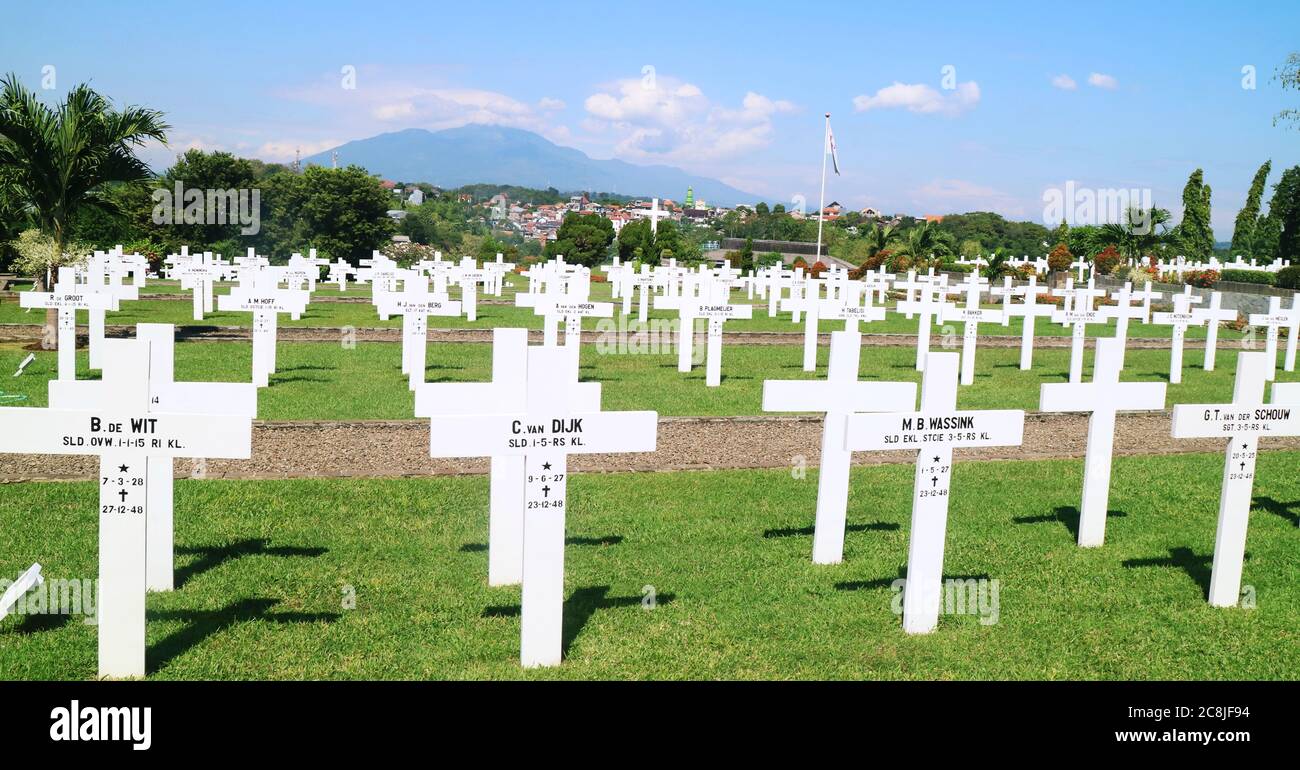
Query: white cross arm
x=722 y=310
x=55 y=301
x=1225 y=420
x=1286 y=393
x=522 y=434
x=394 y=304
x=147 y=434
x=953 y=313
x=1100 y=315
x=830 y=396
x=1189 y=319
x=233 y=399
x=232 y=303
x=586 y=309
x=910 y=430
x=1089 y=397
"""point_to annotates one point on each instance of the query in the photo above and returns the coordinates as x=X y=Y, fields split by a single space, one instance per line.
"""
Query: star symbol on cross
x=936 y=458
x=122 y=469
x=546 y=466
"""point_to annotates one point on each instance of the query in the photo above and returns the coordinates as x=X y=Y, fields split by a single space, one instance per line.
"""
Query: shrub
x=1060 y=258
x=799 y=262
x=1201 y=279
x=1248 y=276
x=1106 y=261
x=1289 y=277
x=817 y=269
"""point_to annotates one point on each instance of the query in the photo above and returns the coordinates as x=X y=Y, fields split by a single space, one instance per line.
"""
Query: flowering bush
x=1201 y=279
x=816 y=270
x=1060 y=258
x=1107 y=260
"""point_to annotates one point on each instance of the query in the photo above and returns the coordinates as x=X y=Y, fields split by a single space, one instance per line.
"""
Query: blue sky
x=1110 y=95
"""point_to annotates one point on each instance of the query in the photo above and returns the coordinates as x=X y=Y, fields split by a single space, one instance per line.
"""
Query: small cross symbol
x=546 y=491
x=123 y=494
x=934 y=482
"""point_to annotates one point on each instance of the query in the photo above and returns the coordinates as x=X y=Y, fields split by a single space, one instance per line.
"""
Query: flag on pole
x=830 y=147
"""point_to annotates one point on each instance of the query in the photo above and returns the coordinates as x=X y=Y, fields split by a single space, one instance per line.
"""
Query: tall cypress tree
x=1195 y=233
x=1243 y=231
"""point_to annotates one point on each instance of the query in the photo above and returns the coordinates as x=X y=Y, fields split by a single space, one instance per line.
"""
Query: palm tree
x=59 y=160
x=877 y=239
x=1141 y=231
x=923 y=242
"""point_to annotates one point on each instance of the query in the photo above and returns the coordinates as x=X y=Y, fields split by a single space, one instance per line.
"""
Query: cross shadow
x=808 y=531
x=888 y=582
x=308 y=368
x=602 y=540
x=578 y=609
x=202 y=624
x=213 y=556
x=40 y=623
x=277 y=379
x=1198 y=568
x=1065 y=514
x=1278 y=508
x=437 y=367
x=185 y=331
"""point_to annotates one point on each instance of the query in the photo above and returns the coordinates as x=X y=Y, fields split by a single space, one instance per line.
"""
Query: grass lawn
x=325 y=381
x=334 y=314
x=264 y=567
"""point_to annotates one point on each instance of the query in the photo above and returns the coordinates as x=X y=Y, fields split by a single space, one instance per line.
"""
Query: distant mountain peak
x=493 y=154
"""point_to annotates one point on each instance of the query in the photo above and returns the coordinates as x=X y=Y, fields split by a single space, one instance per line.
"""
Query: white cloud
x=949 y=196
x=1064 y=82
x=921 y=98
x=546 y=103
x=666 y=118
x=1099 y=80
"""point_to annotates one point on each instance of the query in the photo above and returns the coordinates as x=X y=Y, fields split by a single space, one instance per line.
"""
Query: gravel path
x=400 y=448
x=197 y=333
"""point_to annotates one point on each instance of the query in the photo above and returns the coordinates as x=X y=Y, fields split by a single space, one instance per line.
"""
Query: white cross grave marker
x=1181 y=318
x=1101 y=398
x=545 y=429
x=1276 y=318
x=840 y=394
x=971 y=316
x=67 y=297
x=125 y=432
x=1078 y=313
x=234 y=399
x=1125 y=309
x=927 y=306
x=415 y=303
x=1242 y=422
x=1213 y=316
x=506 y=480
x=266 y=301
x=1029 y=309
x=935 y=430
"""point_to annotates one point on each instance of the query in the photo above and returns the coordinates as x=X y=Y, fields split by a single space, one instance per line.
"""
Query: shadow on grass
x=579 y=607
x=203 y=624
x=1278 y=508
x=601 y=540
x=308 y=368
x=40 y=623
x=212 y=556
x=1197 y=567
x=1067 y=515
x=875 y=526
x=888 y=582
x=277 y=379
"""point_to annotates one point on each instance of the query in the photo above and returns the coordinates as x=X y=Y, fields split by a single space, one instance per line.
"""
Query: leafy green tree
x=636 y=242
x=199 y=170
x=1285 y=206
x=342 y=213
x=1243 y=232
x=59 y=160
x=924 y=242
x=1194 y=234
x=583 y=239
x=1141 y=232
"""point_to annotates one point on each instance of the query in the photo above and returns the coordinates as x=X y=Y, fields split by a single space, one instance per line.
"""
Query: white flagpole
x=821 y=205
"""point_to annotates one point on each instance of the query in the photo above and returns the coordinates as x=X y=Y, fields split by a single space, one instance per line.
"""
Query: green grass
x=325 y=381
x=263 y=566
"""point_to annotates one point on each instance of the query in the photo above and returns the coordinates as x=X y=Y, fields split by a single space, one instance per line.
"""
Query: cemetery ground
x=694 y=575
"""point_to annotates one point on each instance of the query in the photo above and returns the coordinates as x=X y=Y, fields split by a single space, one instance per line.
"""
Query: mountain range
x=489 y=154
